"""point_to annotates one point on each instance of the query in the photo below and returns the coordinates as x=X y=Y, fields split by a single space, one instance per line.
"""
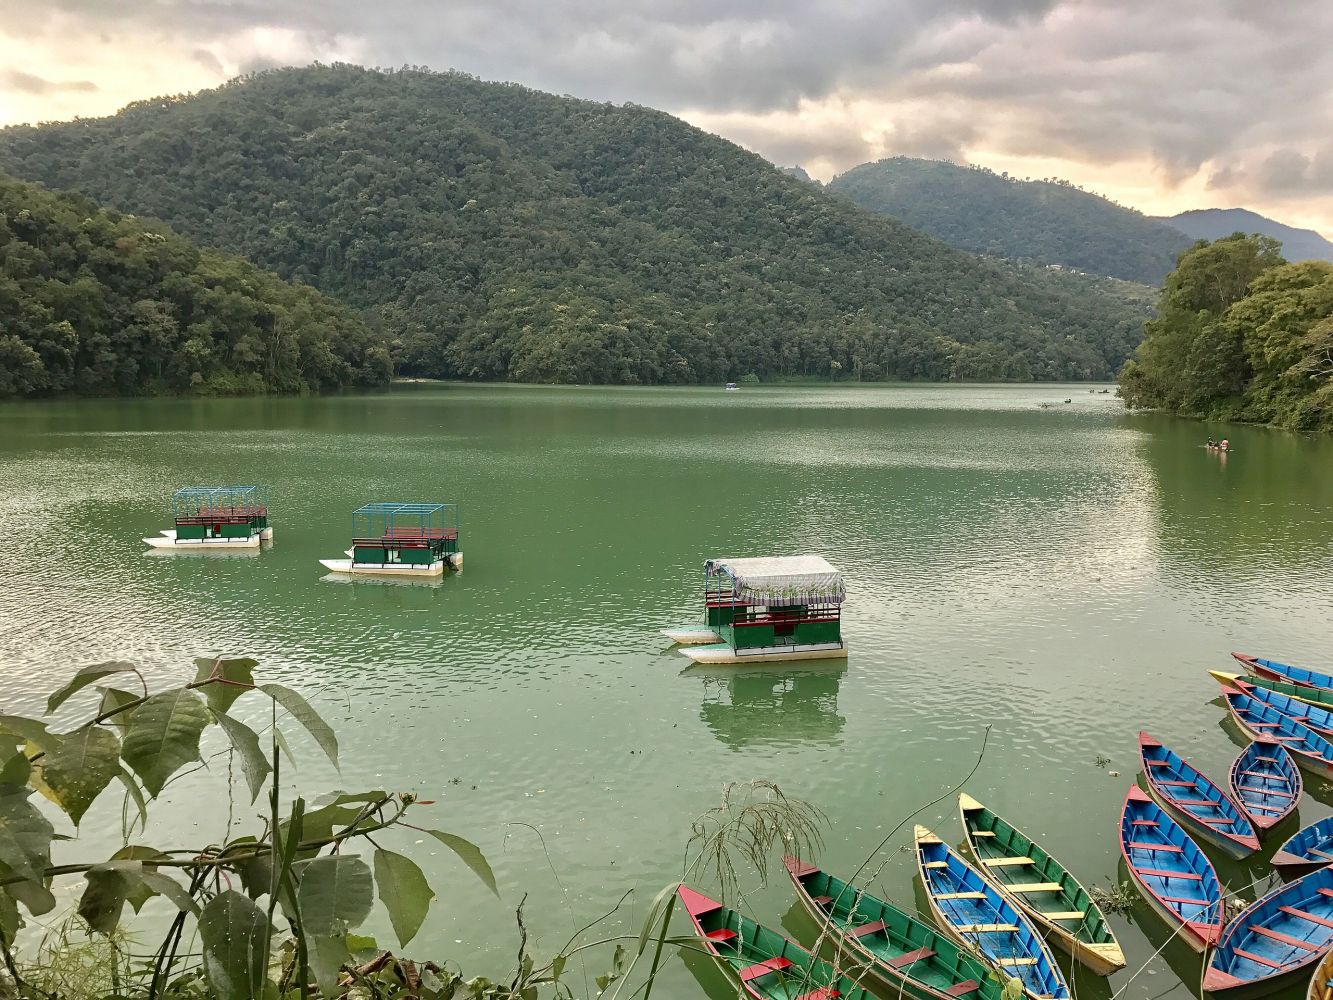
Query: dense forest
x=496 y=232
x=101 y=303
x=1044 y=222
x=1240 y=335
x=1214 y=223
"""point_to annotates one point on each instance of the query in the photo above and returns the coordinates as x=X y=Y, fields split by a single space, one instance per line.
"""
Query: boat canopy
x=198 y=499
x=781 y=580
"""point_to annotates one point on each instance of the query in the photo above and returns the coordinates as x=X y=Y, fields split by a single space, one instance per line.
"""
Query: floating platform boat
x=1045 y=890
x=1171 y=871
x=975 y=914
x=1308 y=849
x=1198 y=804
x=1266 y=783
x=902 y=954
x=762 y=963
x=216 y=517
x=1276 y=940
x=401 y=540
x=767 y=610
x=1284 y=672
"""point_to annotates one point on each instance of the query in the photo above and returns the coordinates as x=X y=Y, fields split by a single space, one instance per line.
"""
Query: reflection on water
x=756 y=707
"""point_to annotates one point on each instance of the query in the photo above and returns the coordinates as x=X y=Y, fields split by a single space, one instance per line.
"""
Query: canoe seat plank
x=821 y=900
x=1143 y=822
x=721 y=934
x=1175 y=784
x=1267 y=760
x=1322 y=892
x=1159 y=763
x=764 y=968
x=1263 y=725
x=1183 y=900
x=1321 y=854
x=802 y=869
x=1291 y=911
x=986 y=928
x=1036 y=887
x=1192 y=802
x=1138 y=845
x=866 y=929
x=911 y=957
x=1065 y=915
x=1188 y=876
x=936 y=864
x=823 y=993
x=983 y=833
x=1215 y=822
x=1006 y=862
x=1285 y=938
x=961 y=895
x=963 y=988
x=1262 y=808
x=1015 y=961
x=1268 y=962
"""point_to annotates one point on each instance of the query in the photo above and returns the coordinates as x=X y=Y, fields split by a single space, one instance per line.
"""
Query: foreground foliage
x=96 y=302
x=502 y=233
x=1241 y=335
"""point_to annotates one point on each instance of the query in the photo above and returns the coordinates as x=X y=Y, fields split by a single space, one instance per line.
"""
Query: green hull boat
x=902 y=955
x=1301 y=692
x=1042 y=888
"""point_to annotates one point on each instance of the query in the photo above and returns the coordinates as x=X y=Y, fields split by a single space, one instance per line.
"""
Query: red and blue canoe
x=1266 y=782
x=1276 y=671
x=1308 y=849
x=1311 y=751
x=1199 y=805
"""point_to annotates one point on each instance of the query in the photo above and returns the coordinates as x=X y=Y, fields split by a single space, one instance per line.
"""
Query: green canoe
x=902 y=955
x=1041 y=887
x=1301 y=692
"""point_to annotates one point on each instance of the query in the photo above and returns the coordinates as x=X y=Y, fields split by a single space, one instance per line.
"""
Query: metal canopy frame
x=194 y=500
x=384 y=519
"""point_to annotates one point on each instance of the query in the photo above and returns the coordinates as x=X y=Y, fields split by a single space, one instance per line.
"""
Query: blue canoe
x=1266 y=782
x=1258 y=718
x=1308 y=848
x=1199 y=805
x=1275 y=940
x=1284 y=672
x=973 y=911
x=1316 y=717
x=1172 y=872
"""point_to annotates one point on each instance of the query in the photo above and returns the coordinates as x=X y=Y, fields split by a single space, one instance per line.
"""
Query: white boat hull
x=691 y=636
x=167 y=540
x=389 y=570
x=766 y=654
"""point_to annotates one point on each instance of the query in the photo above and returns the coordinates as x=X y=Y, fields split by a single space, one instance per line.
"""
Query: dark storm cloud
x=27 y=83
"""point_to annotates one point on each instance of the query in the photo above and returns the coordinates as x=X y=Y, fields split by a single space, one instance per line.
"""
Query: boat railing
x=447 y=534
x=778 y=616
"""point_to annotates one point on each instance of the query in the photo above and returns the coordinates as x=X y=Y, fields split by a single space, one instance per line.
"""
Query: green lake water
x=1065 y=576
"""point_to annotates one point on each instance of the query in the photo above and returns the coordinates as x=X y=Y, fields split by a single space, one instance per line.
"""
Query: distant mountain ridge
x=1042 y=222
x=1215 y=223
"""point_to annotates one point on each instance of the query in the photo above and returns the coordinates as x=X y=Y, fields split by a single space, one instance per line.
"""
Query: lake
x=1065 y=576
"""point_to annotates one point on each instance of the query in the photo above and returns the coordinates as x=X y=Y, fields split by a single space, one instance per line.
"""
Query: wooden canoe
x=1276 y=940
x=1308 y=849
x=1045 y=890
x=1321 y=983
x=1199 y=805
x=979 y=917
x=1318 y=718
x=1321 y=697
x=1311 y=751
x=1284 y=672
x=1266 y=782
x=1171 y=871
x=765 y=965
x=902 y=955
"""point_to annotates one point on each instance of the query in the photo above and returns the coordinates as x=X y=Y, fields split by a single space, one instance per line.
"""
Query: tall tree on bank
x=1240 y=335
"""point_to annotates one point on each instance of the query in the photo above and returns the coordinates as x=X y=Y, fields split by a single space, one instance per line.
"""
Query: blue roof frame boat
x=402 y=540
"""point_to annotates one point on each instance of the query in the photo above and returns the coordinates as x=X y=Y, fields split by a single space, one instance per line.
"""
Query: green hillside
x=95 y=302
x=501 y=233
x=1044 y=222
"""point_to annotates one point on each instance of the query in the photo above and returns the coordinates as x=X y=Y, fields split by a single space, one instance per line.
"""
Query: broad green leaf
x=362 y=946
x=166 y=885
x=558 y=967
x=16 y=770
x=29 y=729
x=335 y=894
x=141 y=893
x=163 y=736
x=341 y=798
x=256 y=872
x=234 y=933
x=109 y=886
x=32 y=894
x=470 y=854
x=25 y=834
x=236 y=672
x=254 y=765
x=321 y=823
x=307 y=716
x=86 y=676
x=10 y=921
x=135 y=793
x=404 y=891
x=114 y=700
x=74 y=773
x=328 y=954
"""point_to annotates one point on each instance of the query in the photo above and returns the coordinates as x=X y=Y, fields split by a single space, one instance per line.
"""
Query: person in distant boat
x=1211 y=443
x=1224 y=444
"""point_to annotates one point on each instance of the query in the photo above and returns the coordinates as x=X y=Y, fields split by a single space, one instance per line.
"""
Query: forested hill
x=95 y=302
x=503 y=233
x=1215 y=223
x=1044 y=222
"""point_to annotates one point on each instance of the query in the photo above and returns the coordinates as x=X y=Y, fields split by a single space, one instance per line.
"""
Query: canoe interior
x=1321 y=983
x=766 y=963
x=1282 y=933
x=1258 y=718
x=1315 y=696
x=935 y=961
x=1194 y=795
x=1168 y=864
x=1068 y=907
x=1312 y=843
x=1290 y=674
x=1266 y=782
x=986 y=920
x=1318 y=718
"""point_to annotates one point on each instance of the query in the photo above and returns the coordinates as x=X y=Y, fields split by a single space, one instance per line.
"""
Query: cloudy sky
x=1160 y=104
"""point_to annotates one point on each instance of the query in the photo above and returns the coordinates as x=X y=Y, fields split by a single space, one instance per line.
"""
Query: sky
x=1162 y=105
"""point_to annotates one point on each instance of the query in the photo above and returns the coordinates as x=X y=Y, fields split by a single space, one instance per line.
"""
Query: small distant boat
x=1321 y=983
x=900 y=952
x=1198 y=804
x=1284 y=672
x=401 y=539
x=731 y=387
x=1310 y=750
x=1308 y=849
x=974 y=912
x=767 y=609
x=1275 y=940
x=1044 y=890
x=764 y=964
x=215 y=517
x=1266 y=782
x=1170 y=869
